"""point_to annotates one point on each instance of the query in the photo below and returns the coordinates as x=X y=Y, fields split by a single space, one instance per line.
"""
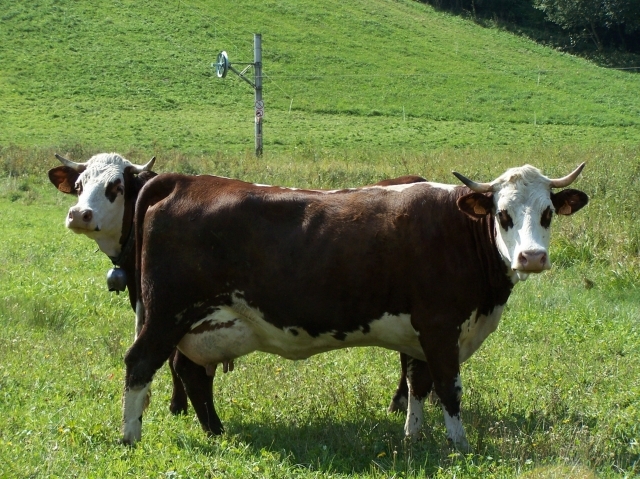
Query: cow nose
x=84 y=216
x=533 y=261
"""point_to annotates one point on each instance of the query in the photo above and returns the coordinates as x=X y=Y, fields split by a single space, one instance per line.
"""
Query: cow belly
x=475 y=330
x=233 y=331
x=219 y=337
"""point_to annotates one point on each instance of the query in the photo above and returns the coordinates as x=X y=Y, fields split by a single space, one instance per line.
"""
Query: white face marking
x=133 y=405
x=523 y=194
x=475 y=330
x=105 y=225
x=233 y=331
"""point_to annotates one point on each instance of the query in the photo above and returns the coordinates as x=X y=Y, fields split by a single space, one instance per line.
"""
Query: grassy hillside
x=362 y=74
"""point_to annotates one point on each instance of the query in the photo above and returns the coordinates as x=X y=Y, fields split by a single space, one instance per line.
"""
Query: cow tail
x=154 y=191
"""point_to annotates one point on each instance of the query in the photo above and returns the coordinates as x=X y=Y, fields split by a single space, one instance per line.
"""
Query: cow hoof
x=178 y=408
x=398 y=404
x=215 y=431
x=415 y=437
x=462 y=445
x=126 y=442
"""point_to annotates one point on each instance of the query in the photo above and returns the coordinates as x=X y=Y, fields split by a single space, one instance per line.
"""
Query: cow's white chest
x=475 y=330
x=233 y=331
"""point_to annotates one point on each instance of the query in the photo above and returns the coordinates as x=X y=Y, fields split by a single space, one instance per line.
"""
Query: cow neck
x=127 y=238
x=127 y=246
x=496 y=273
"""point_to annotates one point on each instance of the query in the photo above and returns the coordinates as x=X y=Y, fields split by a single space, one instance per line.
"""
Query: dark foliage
x=578 y=25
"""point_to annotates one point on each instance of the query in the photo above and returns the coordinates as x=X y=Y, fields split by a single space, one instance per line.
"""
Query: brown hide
x=320 y=262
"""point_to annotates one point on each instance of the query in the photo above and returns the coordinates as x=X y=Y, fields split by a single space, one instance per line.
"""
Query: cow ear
x=476 y=205
x=64 y=178
x=567 y=202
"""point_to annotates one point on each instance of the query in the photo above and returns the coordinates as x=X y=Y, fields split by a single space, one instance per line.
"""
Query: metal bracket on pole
x=223 y=65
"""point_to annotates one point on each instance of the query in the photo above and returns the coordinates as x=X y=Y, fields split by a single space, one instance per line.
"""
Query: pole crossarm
x=241 y=75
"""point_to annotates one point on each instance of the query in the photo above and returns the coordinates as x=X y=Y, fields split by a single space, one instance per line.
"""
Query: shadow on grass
x=511 y=441
x=343 y=447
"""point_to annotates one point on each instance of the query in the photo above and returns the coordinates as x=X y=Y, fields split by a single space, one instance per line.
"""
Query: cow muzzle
x=81 y=220
x=532 y=261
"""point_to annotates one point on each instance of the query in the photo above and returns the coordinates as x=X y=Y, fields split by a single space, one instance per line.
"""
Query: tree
x=597 y=18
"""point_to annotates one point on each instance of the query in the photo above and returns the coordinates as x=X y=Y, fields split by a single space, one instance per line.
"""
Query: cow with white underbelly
x=225 y=268
x=107 y=187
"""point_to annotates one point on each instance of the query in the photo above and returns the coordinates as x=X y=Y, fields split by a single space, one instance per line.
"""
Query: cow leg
x=441 y=351
x=419 y=386
x=199 y=386
x=178 y=404
x=148 y=353
x=399 y=401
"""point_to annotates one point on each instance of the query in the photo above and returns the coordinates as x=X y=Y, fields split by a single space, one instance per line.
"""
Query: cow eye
x=545 y=220
x=78 y=187
x=113 y=190
x=505 y=220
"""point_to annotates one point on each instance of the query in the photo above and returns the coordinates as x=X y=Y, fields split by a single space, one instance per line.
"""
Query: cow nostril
x=87 y=216
x=543 y=259
x=522 y=259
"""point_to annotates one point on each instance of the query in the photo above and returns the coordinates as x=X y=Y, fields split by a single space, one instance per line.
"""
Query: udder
x=218 y=338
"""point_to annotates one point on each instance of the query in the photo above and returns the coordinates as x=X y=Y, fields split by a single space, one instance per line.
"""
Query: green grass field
x=355 y=92
x=379 y=74
x=553 y=393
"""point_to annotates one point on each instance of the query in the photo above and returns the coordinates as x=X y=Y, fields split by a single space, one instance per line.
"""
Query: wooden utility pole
x=257 y=72
x=223 y=65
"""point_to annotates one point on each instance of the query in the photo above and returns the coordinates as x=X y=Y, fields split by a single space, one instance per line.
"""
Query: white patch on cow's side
x=406 y=186
x=331 y=192
x=134 y=402
x=475 y=330
x=286 y=188
x=415 y=411
x=233 y=331
x=443 y=186
x=398 y=187
x=223 y=336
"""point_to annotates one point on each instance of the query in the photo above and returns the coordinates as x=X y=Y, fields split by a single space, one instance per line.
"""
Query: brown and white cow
x=107 y=186
x=227 y=267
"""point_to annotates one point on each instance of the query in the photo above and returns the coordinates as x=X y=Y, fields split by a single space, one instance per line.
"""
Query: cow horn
x=477 y=187
x=567 y=180
x=78 y=167
x=147 y=167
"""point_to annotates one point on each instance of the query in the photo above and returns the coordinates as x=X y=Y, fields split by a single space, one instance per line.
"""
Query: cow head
x=100 y=186
x=522 y=206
